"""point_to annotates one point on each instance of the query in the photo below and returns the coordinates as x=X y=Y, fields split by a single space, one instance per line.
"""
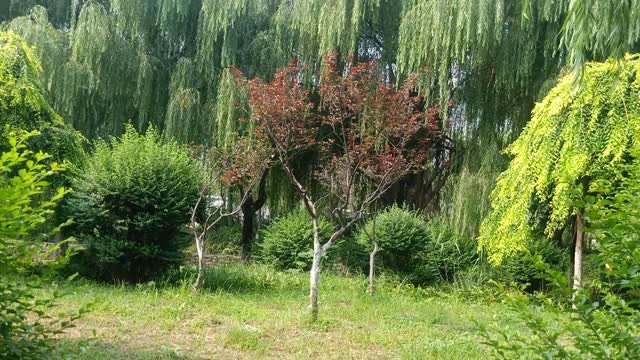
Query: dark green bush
x=287 y=243
x=424 y=251
x=347 y=255
x=521 y=269
x=225 y=239
x=131 y=205
x=400 y=234
x=443 y=256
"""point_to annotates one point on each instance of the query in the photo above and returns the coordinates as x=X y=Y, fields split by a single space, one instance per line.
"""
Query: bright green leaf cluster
x=26 y=323
x=574 y=136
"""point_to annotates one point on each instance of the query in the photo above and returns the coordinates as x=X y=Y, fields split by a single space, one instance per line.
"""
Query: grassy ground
x=251 y=311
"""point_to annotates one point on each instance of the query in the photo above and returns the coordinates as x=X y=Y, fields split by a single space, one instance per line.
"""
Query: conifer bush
x=287 y=243
x=521 y=269
x=444 y=255
x=426 y=252
x=401 y=234
x=131 y=205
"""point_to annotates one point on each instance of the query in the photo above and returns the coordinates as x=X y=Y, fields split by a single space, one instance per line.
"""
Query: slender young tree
x=574 y=138
x=365 y=136
x=238 y=166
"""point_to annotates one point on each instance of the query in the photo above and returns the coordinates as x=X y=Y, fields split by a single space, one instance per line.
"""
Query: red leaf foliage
x=367 y=134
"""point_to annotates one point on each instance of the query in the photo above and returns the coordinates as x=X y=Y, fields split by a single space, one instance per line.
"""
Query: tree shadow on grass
x=98 y=350
x=236 y=280
x=233 y=278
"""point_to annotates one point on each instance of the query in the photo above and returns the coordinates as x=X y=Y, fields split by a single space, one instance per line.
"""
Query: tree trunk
x=577 y=263
x=372 y=265
x=201 y=265
x=249 y=209
x=315 y=277
x=248 y=220
x=572 y=258
x=315 y=271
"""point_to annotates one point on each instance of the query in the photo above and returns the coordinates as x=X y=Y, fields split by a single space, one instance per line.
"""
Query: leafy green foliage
x=613 y=213
x=603 y=321
x=444 y=256
x=400 y=234
x=131 y=204
x=21 y=98
x=26 y=323
x=573 y=136
x=604 y=329
x=23 y=105
x=521 y=269
x=287 y=243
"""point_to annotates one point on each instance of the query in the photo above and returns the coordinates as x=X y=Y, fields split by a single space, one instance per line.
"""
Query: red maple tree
x=366 y=135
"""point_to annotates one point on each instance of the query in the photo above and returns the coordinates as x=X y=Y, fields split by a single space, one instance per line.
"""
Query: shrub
x=287 y=243
x=25 y=321
x=225 y=239
x=521 y=269
x=443 y=256
x=400 y=234
x=348 y=255
x=131 y=205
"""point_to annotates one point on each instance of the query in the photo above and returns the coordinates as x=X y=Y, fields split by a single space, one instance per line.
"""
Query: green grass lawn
x=251 y=311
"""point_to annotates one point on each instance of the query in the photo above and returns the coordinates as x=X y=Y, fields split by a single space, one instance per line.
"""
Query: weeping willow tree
x=311 y=29
x=24 y=107
x=125 y=60
x=592 y=29
x=465 y=198
x=62 y=10
x=574 y=137
x=22 y=104
x=163 y=63
x=51 y=49
x=487 y=68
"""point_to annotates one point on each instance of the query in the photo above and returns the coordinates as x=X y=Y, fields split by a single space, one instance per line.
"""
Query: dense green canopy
x=162 y=62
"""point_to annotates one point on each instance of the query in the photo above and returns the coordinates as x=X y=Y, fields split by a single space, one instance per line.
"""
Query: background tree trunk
x=577 y=262
x=248 y=223
x=249 y=210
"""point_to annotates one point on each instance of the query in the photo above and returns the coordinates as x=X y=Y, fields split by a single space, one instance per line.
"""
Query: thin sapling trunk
x=314 y=274
x=372 y=267
x=577 y=264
